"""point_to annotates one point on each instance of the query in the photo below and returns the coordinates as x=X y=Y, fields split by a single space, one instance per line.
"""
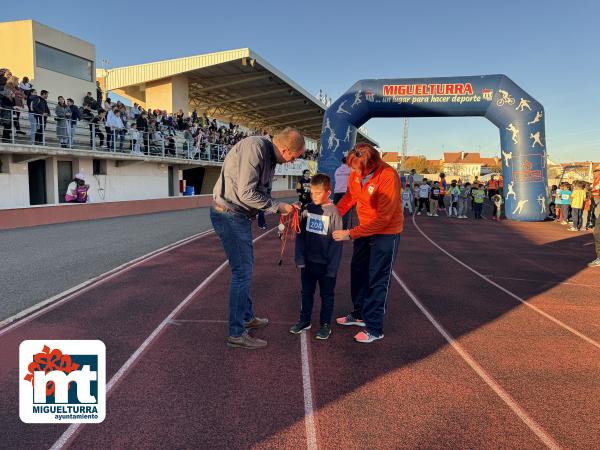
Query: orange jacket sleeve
x=388 y=199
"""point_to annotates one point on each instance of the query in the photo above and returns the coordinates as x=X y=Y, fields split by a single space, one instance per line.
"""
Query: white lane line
x=487 y=378
x=543 y=281
x=69 y=432
x=309 y=418
x=511 y=294
x=588 y=243
x=182 y=321
x=50 y=303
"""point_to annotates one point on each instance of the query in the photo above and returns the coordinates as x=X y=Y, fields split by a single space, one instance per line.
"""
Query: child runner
x=424 y=191
x=497 y=200
x=443 y=186
x=552 y=205
x=478 y=197
x=587 y=208
x=407 y=200
x=454 y=192
x=565 y=197
x=464 y=200
x=434 y=198
x=577 y=200
x=318 y=256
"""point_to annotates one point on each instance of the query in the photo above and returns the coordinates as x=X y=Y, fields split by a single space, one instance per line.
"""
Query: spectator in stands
x=19 y=103
x=135 y=111
x=7 y=105
x=63 y=116
x=90 y=101
x=75 y=117
x=5 y=75
x=142 y=127
x=134 y=136
x=31 y=115
x=114 y=127
x=97 y=123
x=108 y=104
x=42 y=112
x=26 y=86
x=98 y=94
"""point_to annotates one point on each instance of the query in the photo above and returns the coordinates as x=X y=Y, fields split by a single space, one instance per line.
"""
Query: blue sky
x=551 y=49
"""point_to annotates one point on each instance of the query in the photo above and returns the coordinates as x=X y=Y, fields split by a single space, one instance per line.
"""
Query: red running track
x=514 y=378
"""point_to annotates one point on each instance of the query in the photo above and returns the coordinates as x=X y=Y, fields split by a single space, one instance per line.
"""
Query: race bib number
x=317 y=224
x=565 y=196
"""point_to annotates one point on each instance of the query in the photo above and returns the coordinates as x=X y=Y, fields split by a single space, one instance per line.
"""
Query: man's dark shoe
x=256 y=323
x=324 y=332
x=300 y=327
x=246 y=341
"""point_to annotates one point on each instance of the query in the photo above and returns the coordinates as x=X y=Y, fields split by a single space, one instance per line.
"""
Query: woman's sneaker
x=324 y=332
x=595 y=263
x=364 y=337
x=300 y=327
x=350 y=320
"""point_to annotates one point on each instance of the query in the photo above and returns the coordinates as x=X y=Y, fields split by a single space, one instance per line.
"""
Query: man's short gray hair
x=290 y=138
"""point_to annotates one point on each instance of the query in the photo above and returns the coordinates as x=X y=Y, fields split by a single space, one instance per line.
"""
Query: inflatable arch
x=518 y=116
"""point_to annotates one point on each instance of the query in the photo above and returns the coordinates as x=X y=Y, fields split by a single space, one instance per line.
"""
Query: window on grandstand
x=58 y=61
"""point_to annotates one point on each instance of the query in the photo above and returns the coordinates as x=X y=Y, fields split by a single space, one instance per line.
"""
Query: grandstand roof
x=237 y=85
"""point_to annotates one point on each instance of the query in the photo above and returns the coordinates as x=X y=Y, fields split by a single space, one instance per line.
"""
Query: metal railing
x=21 y=127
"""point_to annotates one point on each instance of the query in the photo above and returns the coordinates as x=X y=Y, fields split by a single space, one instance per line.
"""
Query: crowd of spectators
x=112 y=125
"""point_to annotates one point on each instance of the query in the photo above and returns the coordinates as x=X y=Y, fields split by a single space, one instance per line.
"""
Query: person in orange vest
x=492 y=187
x=374 y=187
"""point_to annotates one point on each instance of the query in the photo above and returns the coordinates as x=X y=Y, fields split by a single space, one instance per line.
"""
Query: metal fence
x=27 y=128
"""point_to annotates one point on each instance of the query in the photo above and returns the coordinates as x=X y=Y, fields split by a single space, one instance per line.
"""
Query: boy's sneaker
x=564 y=223
x=324 y=332
x=572 y=229
x=429 y=214
x=435 y=215
x=350 y=320
x=595 y=263
x=364 y=337
x=300 y=327
x=419 y=213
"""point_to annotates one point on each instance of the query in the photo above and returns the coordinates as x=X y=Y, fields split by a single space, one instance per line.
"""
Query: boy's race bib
x=565 y=196
x=317 y=224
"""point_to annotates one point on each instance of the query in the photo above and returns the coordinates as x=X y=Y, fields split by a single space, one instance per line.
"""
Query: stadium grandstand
x=184 y=116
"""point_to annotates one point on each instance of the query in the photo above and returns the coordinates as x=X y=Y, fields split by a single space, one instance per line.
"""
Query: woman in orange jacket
x=375 y=188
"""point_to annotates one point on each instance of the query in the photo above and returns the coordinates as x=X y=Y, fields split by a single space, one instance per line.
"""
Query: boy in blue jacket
x=318 y=255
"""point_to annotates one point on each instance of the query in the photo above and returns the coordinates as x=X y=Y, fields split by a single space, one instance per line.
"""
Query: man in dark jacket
x=75 y=116
x=142 y=127
x=241 y=191
x=90 y=101
x=42 y=112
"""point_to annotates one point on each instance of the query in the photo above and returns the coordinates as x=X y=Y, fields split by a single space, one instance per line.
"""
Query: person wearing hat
x=77 y=190
x=596 y=198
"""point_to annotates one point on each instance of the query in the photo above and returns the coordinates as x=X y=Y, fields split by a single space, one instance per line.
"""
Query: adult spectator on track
x=596 y=199
x=241 y=191
x=374 y=186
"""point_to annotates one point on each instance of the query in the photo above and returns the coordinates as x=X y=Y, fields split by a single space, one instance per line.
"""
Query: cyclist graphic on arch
x=506 y=98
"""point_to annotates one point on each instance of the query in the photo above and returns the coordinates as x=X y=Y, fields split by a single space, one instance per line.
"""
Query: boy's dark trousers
x=312 y=274
x=477 y=207
x=577 y=215
x=370 y=274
